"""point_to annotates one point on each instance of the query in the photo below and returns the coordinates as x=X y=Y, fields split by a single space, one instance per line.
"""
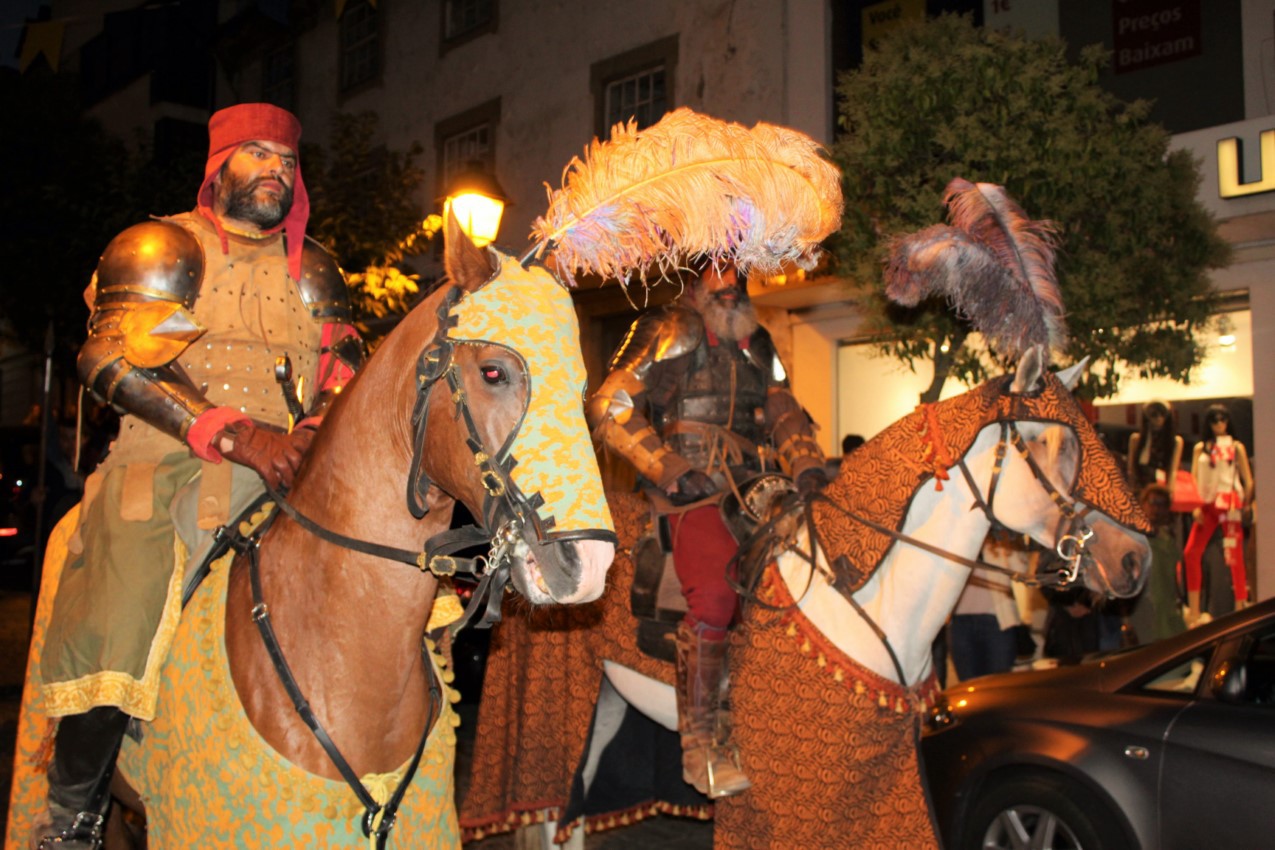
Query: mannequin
x=1225 y=479
x=1155 y=451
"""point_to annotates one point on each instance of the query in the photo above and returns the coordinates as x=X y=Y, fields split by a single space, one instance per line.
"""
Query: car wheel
x=1041 y=813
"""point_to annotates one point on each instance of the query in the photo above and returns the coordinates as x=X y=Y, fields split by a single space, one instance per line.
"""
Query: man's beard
x=242 y=203
x=726 y=321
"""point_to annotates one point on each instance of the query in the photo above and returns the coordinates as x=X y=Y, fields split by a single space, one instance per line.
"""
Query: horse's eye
x=494 y=374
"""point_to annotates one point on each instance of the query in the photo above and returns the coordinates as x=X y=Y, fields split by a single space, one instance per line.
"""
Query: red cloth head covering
x=249 y=122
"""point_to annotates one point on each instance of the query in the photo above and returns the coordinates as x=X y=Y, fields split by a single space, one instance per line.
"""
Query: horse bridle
x=504 y=506
x=1071 y=534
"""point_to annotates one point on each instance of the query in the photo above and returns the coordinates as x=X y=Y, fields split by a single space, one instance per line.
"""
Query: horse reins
x=1070 y=534
x=504 y=506
x=1070 y=545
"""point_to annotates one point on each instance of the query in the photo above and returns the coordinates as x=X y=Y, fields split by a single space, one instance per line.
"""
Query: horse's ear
x=468 y=266
x=1030 y=367
x=1070 y=376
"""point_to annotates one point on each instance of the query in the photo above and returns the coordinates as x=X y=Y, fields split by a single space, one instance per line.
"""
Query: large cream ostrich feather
x=691 y=186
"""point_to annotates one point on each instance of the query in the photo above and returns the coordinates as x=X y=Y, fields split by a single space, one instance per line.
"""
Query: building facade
x=521 y=86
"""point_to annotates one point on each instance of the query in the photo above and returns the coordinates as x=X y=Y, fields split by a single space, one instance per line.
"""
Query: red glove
x=274 y=456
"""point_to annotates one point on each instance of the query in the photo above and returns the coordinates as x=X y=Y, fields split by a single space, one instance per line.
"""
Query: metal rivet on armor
x=225 y=386
x=210 y=346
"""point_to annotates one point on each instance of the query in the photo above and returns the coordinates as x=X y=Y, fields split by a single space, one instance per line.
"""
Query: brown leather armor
x=143 y=297
x=674 y=401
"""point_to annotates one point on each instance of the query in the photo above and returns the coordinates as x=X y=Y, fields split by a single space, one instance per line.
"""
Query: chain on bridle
x=1071 y=534
x=1070 y=537
x=505 y=508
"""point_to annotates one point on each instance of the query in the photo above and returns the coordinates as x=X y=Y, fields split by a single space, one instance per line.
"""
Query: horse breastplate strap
x=378 y=819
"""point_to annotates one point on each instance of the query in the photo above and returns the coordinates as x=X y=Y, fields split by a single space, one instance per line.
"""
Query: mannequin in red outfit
x=1225 y=479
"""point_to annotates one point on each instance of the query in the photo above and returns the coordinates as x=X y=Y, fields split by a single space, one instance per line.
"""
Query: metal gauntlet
x=791 y=432
x=141 y=293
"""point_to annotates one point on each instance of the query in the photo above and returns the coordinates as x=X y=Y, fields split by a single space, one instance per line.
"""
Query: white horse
x=831 y=670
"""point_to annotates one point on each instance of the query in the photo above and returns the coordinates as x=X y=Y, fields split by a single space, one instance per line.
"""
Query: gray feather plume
x=993 y=264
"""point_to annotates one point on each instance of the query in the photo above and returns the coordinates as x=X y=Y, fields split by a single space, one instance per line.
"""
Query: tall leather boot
x=84 y=752
x=709 y=761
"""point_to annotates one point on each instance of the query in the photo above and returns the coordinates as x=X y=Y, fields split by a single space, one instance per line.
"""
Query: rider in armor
x=698 y=401
x=191 y=316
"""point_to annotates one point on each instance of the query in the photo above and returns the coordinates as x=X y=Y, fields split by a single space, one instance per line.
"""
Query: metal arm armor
x=322 y=285
x=146 y=279
x=617 y=411
x=656 y=337
x=791 y=432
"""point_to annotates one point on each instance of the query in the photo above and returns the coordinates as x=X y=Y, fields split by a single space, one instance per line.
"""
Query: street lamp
x=478 y=202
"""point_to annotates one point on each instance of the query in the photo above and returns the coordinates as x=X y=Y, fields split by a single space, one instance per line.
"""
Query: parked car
x=1168 y=746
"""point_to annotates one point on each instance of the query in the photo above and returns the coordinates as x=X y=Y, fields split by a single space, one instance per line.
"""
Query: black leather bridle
x=1071 y=534
x=1070 y=537
x=505 y=508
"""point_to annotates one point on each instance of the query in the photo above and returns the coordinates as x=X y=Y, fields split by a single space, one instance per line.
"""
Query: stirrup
x=728 y=753
x=86 y=829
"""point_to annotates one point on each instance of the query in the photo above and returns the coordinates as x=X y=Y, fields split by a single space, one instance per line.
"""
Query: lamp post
x=478 y=202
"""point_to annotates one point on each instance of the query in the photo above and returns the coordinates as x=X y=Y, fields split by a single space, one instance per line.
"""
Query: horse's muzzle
x=567 y=572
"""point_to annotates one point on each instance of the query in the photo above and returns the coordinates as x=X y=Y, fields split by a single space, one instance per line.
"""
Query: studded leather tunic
x=252 y=313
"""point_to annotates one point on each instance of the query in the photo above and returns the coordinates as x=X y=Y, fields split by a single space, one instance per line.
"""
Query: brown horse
x=475 y=397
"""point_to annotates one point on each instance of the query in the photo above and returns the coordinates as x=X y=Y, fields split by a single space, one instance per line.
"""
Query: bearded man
x=190 y=317
x=698 y=401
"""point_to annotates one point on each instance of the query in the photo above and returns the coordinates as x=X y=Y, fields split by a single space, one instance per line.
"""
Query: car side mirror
x=1230 y=682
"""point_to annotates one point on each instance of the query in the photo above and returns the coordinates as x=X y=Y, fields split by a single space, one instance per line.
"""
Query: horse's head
x=508 y=351
x=1067 y=490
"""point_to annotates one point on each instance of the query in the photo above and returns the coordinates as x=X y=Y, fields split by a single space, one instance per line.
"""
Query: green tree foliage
x=364 y=210
x=943 y=99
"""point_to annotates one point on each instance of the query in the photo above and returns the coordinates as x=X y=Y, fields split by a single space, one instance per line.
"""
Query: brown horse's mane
x=880 y=480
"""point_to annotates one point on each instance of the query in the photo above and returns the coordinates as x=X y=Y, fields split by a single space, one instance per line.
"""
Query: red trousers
x=702 y=546
x=1232 y=550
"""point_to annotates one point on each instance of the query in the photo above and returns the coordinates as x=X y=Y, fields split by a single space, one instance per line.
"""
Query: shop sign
x=1230 y=172
x=1152 y=32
